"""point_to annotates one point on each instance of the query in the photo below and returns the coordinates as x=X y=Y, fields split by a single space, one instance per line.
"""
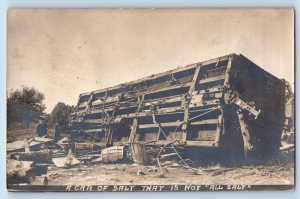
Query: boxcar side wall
x=185 y=102
x=187 y=106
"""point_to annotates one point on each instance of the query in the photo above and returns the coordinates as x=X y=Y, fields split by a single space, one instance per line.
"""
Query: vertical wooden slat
x=227 y=74
x=219 y=129
x=138 y=150
x=186 y=105
x=89 y=103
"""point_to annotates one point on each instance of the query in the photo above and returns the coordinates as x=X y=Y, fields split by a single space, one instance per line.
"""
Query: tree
x=60 y=114
x=25 y=106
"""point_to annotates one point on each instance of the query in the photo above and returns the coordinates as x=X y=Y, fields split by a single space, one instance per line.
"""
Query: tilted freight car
x=228 y=103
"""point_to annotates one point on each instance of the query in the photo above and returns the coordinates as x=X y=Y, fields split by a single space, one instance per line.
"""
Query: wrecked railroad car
x=227 y=103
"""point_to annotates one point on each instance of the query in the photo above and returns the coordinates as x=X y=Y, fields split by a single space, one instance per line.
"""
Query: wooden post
x=245 y=132
x=26 y=145
x=186 y=103
x=133 y=130
x=89 y=103
x=219 y=128
x=138 y=150
x=227 y=75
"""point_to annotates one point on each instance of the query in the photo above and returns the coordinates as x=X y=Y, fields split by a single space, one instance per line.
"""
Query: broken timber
x=196 y=106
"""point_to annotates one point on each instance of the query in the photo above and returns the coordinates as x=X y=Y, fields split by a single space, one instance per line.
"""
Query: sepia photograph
x=150 y=100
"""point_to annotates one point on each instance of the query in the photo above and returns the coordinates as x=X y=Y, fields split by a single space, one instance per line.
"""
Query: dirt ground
x=280 y=171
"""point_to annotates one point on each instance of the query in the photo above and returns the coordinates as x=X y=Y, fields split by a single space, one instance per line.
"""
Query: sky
x=65 y=52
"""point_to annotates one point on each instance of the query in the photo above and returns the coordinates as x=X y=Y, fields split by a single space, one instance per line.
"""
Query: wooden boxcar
x=228 y=103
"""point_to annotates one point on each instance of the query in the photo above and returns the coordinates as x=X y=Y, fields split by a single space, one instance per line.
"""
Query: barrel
x=112 y=154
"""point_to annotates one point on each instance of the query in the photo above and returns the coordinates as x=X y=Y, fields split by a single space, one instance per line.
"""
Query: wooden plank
x=100 y=130
x=200 y=143
x=164 y=100
x=186 y=143
x=245 y=133
x=205 y=103
x=89 y=103
x=167 y=89
x=204 y=122
x=208 y=90
x=166 y=124
x=211 y=79
x=110 y=132
x=133 y=130
x=137 y=149
x=109 y=99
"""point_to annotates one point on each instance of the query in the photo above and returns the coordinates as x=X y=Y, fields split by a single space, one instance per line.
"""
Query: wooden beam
x=166 y=124
x=227 y=74
x=133 y=130
x=175 y=124
x=100 y=130
x=211 y=79
x=200 y=143
x=205 y=103
x=186 y=104
x=186 y=143
x=204 y=122
x=89 y=103
x=245 y=133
